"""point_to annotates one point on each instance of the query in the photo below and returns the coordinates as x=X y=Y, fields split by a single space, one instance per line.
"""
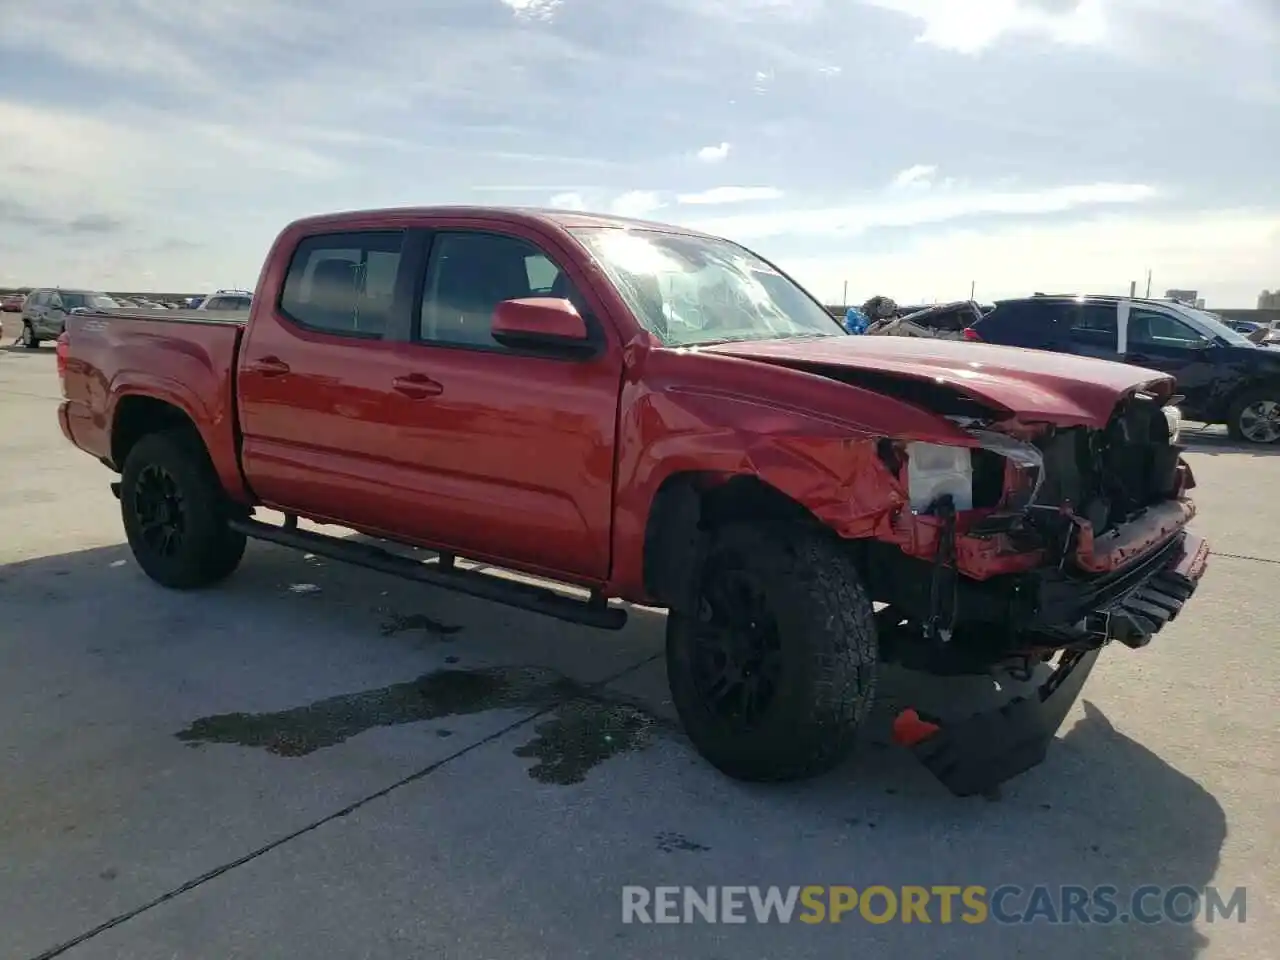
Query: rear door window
x=1095 y=325
x=1019 y=324
x=343 y=283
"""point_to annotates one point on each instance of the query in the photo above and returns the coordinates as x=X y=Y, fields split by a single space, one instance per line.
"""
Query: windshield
x=1213 y=324
x=92 y=301
x=691 y=290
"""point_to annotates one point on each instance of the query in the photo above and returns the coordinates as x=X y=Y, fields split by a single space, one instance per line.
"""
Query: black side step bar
x=594 y=612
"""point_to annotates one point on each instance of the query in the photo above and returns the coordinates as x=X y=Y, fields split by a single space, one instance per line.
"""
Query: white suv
x=227 y=300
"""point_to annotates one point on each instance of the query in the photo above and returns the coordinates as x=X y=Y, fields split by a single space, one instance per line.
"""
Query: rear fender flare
x=164 y=390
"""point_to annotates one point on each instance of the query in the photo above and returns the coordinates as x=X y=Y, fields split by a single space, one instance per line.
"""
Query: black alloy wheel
x=737 y=662
x=161 y=510
x=176 y=514
x=774 y=669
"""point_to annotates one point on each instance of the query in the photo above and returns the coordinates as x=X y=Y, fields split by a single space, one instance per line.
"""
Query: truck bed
x=120 y=360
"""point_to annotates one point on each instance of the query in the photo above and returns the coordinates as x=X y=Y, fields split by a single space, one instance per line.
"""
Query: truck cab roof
x=531 y=216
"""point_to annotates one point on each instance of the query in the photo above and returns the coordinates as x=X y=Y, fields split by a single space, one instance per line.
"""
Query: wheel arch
x=138 y=415
x=687 y=506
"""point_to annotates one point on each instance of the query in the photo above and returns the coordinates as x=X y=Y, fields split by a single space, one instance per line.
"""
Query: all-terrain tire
x=828 y=652
x=1242 y=403
x=29 y=338
x=208 y=550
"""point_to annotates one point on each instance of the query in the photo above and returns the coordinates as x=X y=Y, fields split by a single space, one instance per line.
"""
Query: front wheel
x=175 y=512
x=776 y=673
x=29 y=338
x=1255 y=417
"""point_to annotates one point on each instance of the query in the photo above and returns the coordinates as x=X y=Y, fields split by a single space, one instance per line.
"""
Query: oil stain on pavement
x=585 y=729
x=669 y=842
x=397 y=623
x=582 y=733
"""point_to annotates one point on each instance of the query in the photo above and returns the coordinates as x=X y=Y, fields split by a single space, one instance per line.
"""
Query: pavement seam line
x=350 y=808
x=1240 y=556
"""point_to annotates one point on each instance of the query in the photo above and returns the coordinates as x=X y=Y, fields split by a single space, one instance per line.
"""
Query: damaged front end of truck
x=1051 y=524
x=1052 y=544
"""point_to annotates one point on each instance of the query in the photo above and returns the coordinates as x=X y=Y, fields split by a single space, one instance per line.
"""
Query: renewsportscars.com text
x=938 y=904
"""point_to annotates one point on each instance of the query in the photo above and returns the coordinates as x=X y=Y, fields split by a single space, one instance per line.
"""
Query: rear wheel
x=176 y=514
x=29 y=338
x=777 y=671
x=1255 y=417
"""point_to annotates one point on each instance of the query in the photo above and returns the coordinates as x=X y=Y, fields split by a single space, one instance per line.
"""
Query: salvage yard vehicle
x=45 y=312
x=946 y=321
x=638 y=412
x=1223 y=377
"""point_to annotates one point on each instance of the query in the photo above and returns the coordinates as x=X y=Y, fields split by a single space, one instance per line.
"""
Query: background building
x=1189 y=297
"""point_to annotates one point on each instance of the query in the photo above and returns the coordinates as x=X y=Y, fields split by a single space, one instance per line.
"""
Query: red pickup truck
x=637 y=412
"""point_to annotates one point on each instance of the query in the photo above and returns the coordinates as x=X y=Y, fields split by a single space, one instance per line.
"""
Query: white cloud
x=974 y=25
x=921 y=175
x=340 y=70
x=637 y=203
x=568 y=201
x=163 y=160
x=533 y=9
x=754 y=11
x=1221 y=254
x=928 y=208
x=714 y=154
x=730 y=195
x=272 y=155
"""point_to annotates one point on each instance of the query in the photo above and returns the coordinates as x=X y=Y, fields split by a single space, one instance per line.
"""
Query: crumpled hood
x=1033 y=385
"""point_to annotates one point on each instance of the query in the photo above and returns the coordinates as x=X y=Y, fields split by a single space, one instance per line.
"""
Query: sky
x=907 y=148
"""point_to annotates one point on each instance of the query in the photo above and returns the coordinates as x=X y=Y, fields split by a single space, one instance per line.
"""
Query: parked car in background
x=946 y=321
x=223 y=303
x=528 y=389
x=1260 y=333
x=227 y=300
x=12 y=303
x=1223 y=377
x=44 y=315
x=1255 y=332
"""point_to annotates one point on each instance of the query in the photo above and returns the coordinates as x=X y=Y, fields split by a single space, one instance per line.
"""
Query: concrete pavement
x=319 y=761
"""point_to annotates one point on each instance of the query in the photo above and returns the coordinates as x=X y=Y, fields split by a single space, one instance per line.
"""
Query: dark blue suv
x=1222 y=376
